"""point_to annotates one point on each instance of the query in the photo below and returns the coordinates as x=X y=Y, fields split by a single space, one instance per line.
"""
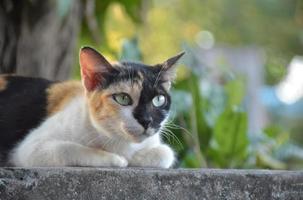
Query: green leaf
x=230 y=136
x=235 y=90
x=197 y=118
x=274 y=130
x=265 y=160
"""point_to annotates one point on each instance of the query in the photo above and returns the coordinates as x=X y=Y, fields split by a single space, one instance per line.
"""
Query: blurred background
x=237 y=99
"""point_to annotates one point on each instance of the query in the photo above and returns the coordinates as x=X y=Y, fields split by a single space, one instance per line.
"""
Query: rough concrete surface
x=138 y=183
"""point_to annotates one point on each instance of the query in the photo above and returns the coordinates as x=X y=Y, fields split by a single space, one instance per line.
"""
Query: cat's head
x=127 y=100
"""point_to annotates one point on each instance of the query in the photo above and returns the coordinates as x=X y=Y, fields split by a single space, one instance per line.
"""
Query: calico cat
x=113 y=118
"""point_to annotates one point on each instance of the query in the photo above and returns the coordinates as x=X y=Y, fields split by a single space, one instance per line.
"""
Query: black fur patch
x=22 y=107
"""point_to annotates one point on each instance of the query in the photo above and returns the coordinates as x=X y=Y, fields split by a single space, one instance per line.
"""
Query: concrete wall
x=136 y=183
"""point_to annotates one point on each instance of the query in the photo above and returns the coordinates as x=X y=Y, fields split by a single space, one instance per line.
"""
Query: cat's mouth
x=136 y=134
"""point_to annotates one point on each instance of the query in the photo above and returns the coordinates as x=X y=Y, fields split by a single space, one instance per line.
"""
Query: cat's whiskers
x=165 y=136
x=169 y=133
x=170 y=124
x=173 y=135
x=175 y=126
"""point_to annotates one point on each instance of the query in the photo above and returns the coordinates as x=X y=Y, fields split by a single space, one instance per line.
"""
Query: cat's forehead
x=130 y=87
x=137 y=72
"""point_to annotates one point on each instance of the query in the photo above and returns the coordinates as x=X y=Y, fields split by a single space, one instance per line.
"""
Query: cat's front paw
x=108 y=159
x=118 y=161
x=161 y=156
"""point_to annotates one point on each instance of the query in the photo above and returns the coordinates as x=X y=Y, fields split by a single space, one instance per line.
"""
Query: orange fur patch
x=61 y=94
x=101 y=105
x=3 y=83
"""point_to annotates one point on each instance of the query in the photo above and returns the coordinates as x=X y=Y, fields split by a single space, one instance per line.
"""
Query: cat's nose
x=146 y=122
x=142 y=117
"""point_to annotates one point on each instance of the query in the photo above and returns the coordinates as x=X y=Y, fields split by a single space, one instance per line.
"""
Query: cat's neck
x=80 y=128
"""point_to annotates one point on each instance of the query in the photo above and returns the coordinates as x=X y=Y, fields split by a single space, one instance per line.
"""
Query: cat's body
x=112 y=119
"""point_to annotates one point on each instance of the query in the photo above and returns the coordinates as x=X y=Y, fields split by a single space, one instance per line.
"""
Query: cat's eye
x=159 y=100
x=122 y=99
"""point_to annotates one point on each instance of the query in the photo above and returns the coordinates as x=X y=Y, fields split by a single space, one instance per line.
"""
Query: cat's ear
x=168 y=71
x=94 y=68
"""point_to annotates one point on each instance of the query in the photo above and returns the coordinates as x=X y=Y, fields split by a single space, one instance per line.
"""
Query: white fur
x=68 y=138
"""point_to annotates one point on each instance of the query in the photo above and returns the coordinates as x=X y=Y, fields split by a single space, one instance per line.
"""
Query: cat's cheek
x=129 y=126
x=104 y=113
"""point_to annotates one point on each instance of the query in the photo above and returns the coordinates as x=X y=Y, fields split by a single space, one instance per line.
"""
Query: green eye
x=159 y=100
x=122 y=99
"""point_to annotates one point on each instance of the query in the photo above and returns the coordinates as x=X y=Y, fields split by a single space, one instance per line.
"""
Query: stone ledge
x=137 y=183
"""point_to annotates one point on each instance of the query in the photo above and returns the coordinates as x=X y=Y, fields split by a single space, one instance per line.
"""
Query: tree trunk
x=37 y=38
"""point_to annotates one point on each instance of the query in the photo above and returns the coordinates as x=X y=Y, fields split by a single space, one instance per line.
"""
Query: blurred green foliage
x=209 y=120
x=162 y=26
x=213 y=127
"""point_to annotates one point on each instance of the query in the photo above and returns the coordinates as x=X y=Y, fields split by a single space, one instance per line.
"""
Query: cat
x=112 y=118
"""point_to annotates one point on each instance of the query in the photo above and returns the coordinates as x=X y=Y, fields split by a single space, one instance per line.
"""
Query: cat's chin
x=133 y=137
x=138 y=137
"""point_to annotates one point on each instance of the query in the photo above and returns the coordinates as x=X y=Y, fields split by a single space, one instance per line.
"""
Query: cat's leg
x=65 y=153
x=161 y=156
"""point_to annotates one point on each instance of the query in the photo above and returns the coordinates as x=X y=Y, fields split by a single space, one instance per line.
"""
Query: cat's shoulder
x=60 y=94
